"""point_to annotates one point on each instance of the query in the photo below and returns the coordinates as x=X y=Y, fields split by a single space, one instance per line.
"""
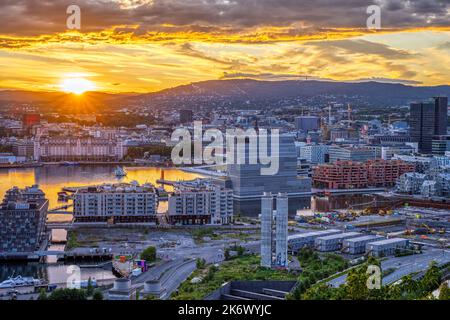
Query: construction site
x=375 y=225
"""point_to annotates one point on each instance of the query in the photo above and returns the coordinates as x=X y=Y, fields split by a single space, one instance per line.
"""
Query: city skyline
x=146 y=46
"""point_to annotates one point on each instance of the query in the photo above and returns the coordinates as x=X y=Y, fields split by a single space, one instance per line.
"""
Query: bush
x=149 y=254
x=98 y=295
x=68 y=294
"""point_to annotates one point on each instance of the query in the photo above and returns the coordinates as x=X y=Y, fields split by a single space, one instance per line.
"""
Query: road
x=404 y=265
x=170 y=274
x=172 y=279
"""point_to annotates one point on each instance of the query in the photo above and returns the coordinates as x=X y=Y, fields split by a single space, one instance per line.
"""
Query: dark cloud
x=31 y=17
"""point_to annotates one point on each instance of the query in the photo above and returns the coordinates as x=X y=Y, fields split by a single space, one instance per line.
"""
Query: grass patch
x=72 y=241
x=241 y=268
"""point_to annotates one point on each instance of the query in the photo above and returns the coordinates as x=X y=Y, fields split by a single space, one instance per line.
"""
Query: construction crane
x=430 y=230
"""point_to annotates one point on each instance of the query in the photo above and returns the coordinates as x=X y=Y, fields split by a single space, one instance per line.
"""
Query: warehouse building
x=301 y=240
x=386 y=247
x=334 y=242
x=358 y=245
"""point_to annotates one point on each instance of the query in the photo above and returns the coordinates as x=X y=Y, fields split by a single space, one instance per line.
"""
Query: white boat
x=20 y=281
x=120 y=172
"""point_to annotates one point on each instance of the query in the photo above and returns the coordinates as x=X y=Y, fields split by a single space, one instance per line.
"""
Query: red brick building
x=31 y=119
x=357 y=175
x=340 y=175
x=384 y=173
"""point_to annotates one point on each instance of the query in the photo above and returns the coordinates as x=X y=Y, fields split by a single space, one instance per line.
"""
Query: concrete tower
x=281 y=230
x=266 y=229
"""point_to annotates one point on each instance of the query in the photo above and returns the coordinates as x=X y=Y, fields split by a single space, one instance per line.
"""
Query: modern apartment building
x=340 y=175
x=23 y=214
x=357 y=175
x=383 y=173
x=201 y=204
x=118 y=203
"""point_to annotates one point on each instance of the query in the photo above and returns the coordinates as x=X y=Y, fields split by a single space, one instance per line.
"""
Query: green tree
x=444 y=292
x=98 y=295
x=357 y=284
x=138 y=294
x=68 y=294
x=90 y=288
x=227 y=254
x=149 y=254
x=200 y=263
x=42 y=295
x=431 y=279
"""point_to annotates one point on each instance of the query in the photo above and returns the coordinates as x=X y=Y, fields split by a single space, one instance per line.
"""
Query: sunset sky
x=149 y=45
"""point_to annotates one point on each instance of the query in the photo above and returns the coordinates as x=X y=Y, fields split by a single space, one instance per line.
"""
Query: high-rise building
x=266 y=229
x=281 y=230
x=428 y=119
x=281 y=258
x=249 y=184
x=23 y=214
x=441 y=114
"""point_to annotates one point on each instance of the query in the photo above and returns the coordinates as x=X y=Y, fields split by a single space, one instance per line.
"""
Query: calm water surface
x=51 y=180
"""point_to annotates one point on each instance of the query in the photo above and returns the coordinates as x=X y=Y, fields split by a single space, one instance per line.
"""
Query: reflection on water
x=53 y=273
x=52 y=179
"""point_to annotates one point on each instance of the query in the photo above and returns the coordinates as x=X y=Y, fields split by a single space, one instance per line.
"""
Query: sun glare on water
x=77 y=85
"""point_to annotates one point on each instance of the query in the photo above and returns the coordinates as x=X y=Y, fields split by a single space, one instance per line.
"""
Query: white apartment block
x=121 y=203
x=206 y=204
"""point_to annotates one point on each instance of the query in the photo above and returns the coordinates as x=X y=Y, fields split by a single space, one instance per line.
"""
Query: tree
x=227 y=254
x=444 y=292
x=42 y=295
x=90 y=288
x=357 y=284
x=149 y=254
x=68 y=294
x=98 y=295
x=431 y=279
x=200 y=263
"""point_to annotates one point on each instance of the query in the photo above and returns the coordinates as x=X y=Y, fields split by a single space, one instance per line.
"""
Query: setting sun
x=77 y=85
